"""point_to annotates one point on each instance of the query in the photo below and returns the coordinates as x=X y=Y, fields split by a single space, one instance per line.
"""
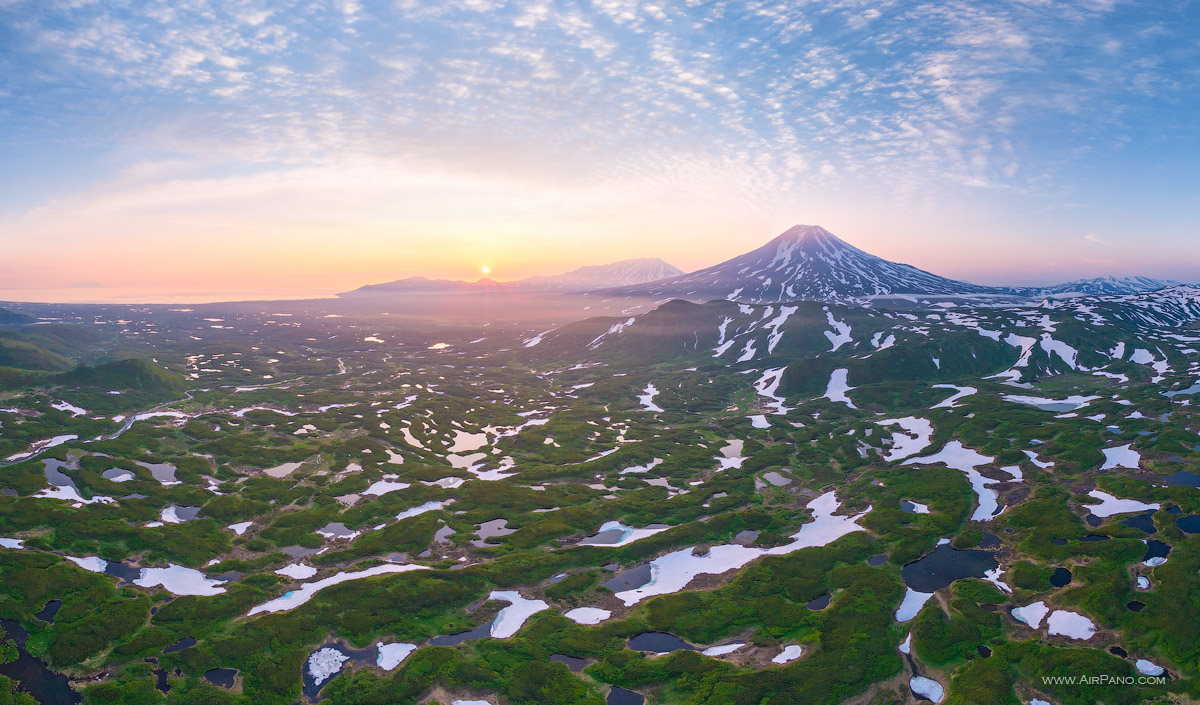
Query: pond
x=1183 y=478
x=1143 y=522
x=44 y=685
x=221 y=677
x=185 y=643
x=575 y=664
x=49 y=611
x=163 y=472
x=614 y=533
x=1189 y=524
x=1071 y=403
x=1061 y=577
x=1156 y=553
x=659 y=643
x=619 y=696
x=630 y=579
x=491 y=529
x=819 y=603
x=483 y=630
x=944 y=565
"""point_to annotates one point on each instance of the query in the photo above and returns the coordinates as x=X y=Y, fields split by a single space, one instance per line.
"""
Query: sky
x=189 y=150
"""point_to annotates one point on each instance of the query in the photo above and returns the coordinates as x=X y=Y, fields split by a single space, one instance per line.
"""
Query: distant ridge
x=622 y=273
x=1108 y=286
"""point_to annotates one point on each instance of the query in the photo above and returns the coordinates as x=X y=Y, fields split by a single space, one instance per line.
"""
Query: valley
x=754 y=499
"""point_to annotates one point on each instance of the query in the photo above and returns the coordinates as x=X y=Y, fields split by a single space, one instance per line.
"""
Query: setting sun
x=485 y=269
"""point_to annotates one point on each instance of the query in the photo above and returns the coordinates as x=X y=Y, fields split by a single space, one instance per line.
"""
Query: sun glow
x=485 y=269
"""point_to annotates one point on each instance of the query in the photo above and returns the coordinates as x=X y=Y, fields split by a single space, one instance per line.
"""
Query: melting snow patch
x=927 y=688
x=1121 y=457
x=588 y=615
x=432 y=506
x=840 y=335
x=1031 y=614
x=1149 y=668
x=382 y=487
x=838 y=387
x=325 y=663
x=178 y=580
x=1071 y=403
x=511 y=618
x=768 y=386
x=674 y=571
x=722 y=649
x=951 y=402
x=1070 y=624
x=911 y=604
x=89 y=563
x=297 y=571
x=965 y=460
x=647 y=398
x=628 y=534
x=294 y=598
x=240 y=528
x=790 y=653
x=1110 y=505
x=392 y=655
x=915 y=438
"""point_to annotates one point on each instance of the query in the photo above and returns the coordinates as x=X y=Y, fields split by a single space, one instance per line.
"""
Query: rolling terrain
x=734 y=500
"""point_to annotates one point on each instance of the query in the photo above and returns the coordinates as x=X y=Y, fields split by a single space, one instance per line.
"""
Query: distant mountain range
x=805 y=263
x=624 y=273
x=1109 y=286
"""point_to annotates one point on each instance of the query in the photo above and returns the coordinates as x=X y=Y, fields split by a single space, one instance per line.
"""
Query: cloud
x=1091 y=237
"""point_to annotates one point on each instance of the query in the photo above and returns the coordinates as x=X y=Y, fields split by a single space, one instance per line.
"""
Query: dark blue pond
x=49 y=611
x=1189 y=524
x=185 y=643
x=659 y=643
x=1183 y=478
x=483 y=630
x=1155 y=549
x=629 y=579
x=44 y=685
x=575 y=664
x=620 y=696
x=1061 y=577
x=820 y=603
x=221 y=677
x=1142 y=522
x=945 y=565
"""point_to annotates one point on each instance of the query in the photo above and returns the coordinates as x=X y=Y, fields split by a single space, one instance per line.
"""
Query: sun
x=485 y=269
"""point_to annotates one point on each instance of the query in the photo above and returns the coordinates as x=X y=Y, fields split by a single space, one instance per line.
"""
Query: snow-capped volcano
x=805 y=263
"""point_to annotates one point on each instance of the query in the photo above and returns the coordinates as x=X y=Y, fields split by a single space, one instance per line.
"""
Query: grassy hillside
x=12 y=318
x=132 y=374
x=25 y=355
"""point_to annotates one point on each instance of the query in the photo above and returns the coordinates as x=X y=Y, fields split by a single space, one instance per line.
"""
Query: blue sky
x=204 y=145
